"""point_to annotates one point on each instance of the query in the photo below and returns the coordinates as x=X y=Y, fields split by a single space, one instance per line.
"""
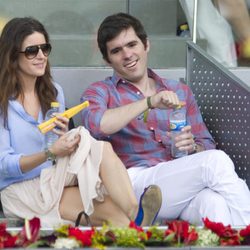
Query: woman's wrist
x=49 y=155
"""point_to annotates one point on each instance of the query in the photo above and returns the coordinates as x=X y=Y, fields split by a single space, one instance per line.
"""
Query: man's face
x=128 y=56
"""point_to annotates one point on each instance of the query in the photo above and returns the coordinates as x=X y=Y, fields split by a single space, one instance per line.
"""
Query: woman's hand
x=64 y=145
x=62 y=125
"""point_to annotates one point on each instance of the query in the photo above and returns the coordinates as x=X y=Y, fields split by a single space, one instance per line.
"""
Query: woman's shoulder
x=58 y=86
x=60 y=95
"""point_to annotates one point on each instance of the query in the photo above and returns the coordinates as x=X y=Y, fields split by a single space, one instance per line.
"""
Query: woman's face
x=32 y=68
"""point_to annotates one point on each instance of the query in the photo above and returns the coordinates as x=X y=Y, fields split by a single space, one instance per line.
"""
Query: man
x=202 y=184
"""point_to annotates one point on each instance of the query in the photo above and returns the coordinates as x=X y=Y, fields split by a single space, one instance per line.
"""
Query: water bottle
x=177 y=122
x=183 y=31
x=51 y=137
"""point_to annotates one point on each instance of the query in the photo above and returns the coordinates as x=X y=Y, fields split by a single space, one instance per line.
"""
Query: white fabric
x=197 y=209
x=41 y=196
x=214 y=28
x=194 y=184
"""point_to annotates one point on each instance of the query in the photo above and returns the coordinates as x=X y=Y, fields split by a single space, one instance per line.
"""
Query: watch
x=49 y=155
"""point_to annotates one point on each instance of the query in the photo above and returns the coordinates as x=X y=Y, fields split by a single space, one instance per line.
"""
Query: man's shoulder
x=105 y=83
x=167 y=82
x=102 y=87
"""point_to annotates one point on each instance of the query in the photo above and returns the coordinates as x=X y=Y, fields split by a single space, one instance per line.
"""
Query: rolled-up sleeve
x=98 y=97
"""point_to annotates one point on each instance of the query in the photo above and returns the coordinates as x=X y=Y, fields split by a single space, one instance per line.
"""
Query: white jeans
x=197 y=186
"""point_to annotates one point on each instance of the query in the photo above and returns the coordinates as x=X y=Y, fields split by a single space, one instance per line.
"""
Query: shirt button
x=151 y=128
x=159 y=140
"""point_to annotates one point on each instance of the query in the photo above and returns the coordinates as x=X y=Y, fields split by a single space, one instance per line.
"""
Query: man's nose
x=127 y=53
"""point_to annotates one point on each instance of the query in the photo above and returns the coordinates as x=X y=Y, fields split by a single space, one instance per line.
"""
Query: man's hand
x=185 y=140
x=165 y=99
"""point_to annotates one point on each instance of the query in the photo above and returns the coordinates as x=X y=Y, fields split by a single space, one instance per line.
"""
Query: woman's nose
x=40 y=53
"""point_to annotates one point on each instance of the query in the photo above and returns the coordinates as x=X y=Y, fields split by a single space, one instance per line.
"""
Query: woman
x=88 y=176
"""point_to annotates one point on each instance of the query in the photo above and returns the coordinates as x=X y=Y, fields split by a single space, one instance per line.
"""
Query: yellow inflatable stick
x=48 y=125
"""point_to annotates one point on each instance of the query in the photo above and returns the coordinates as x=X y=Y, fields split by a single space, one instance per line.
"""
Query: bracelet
x=195 y=148
x=49 y=155
x=149 y=102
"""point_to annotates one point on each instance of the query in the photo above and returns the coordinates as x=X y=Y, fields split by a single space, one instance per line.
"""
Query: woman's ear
x=147 y=45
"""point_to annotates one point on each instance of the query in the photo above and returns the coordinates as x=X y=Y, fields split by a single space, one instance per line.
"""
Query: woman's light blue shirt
x=21 y=137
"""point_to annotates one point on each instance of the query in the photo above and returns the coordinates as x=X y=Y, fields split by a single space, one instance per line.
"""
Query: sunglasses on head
x=31 y=51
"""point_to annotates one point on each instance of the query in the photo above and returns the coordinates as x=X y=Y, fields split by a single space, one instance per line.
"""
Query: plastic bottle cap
x=184 y=27
x=182 y=104
x=54 y=104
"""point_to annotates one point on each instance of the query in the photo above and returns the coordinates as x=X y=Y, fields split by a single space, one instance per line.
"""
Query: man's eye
x=114 y=51
x=132 y=44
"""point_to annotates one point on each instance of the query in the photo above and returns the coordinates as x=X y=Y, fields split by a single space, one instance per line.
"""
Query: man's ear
x=106 y=61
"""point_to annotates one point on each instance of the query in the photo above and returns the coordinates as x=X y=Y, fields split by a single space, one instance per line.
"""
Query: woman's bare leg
x=107 y=211
x=116 y=181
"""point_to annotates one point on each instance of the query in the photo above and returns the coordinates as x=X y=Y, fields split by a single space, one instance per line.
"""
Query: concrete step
x=159 y=17
x=166 y=51
x=169 y=51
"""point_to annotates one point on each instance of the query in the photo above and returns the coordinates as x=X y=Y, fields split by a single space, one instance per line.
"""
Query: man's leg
x=182 y=179
x=207 y=203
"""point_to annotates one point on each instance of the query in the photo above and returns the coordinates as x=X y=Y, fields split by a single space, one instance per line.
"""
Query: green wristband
x=149 y=103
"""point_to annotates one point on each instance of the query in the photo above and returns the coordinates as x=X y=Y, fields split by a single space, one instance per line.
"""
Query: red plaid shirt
x=140 y=143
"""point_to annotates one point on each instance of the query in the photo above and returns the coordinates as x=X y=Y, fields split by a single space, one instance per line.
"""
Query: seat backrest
x=224 y=101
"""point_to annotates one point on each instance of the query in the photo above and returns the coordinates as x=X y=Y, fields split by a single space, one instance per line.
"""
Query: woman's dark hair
x=11 y=40
x=113 y=25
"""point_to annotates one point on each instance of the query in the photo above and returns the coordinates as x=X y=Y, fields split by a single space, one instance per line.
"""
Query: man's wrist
x=149 y=103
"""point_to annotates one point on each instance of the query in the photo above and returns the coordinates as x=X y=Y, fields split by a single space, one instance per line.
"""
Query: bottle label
x=177 y=125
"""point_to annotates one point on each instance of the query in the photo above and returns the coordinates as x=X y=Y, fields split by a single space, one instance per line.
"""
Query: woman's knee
x=108 y=146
